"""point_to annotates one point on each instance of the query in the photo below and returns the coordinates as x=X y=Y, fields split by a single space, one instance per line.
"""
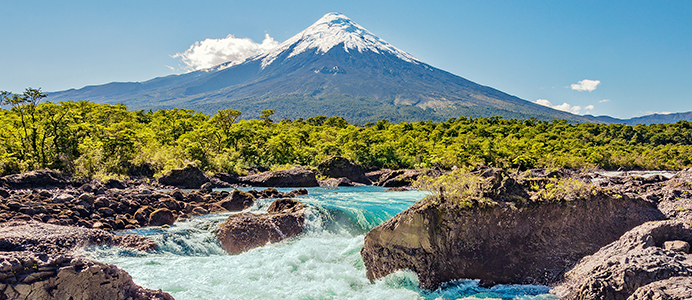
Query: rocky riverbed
x=46 y=218
x=595 y=235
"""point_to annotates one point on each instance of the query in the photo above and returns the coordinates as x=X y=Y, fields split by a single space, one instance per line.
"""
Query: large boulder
x=337 y=167
x=35 y=179
x=161 y=216
x=187 y=178
x=296 y=177
x=244 y=231
x=237 y=201
x=509 y=235
x=629 y=266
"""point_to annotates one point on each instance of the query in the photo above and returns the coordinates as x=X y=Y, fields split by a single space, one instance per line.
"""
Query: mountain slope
x=334 y=67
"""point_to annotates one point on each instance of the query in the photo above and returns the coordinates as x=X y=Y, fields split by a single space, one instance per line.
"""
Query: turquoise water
x=322 y=263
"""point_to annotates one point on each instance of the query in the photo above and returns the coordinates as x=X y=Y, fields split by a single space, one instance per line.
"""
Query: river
x=322 y=263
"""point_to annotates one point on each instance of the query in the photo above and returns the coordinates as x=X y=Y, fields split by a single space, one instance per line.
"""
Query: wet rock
x=284 y=206
x=199 y=211
x=244 y=231
x=337 y=167
x=237 y=201
x=188 y=178
x=295 y=177
x=635 y=260
x=4 y=193
x=161 y=216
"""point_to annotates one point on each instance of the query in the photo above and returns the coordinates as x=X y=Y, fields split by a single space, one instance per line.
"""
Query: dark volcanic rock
x=512 y=240
x=285 y=206
x=337 y=167
x=634 y=261
x=161 y=216
x=237 y=201
x=35 y=179
x=114 y=184
x=295 y=177
x=53 y=239
x=206 y=188
x=244 y=231
x=37 y=261
x=402 y=178
x=188 y=178
x=29 y=276
x=332 y=182
x=227 y=178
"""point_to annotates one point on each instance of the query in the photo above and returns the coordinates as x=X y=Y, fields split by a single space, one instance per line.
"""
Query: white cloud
x=172 y=68
x=604 y=100
x=563 y=107
x=586 y=85
x=589 y=107
x=658 y=112
x=211 y=52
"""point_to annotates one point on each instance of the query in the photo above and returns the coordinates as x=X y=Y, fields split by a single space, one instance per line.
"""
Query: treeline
x=87 y=139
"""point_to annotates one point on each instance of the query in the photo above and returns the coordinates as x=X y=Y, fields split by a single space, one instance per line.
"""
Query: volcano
x=335 y=67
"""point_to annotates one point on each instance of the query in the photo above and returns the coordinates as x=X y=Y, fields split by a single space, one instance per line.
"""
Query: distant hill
x=649 y=119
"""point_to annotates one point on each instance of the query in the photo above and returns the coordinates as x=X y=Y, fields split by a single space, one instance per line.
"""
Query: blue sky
x=640 y=52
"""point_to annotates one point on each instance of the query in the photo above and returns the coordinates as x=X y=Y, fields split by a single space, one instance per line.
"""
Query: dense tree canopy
x=88 y=139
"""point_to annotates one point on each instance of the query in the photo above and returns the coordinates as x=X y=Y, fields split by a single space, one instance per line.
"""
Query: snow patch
x=329 y=31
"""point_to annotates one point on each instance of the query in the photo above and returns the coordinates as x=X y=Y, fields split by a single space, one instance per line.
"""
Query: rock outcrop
x=637 y=265
x=28 y=276
x=399 y=178
x=296 y=177
x=674 y=288
x=341 y=167
x=187 y=178
x=35 y=179
x=40 y=237
x=511 y=233
x=37 y=261
x=241 y=232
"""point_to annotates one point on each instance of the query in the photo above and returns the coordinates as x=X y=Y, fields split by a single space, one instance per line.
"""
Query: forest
x=86 y=139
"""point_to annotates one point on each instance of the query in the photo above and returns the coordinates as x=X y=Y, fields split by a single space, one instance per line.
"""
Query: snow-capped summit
x=331 y=30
